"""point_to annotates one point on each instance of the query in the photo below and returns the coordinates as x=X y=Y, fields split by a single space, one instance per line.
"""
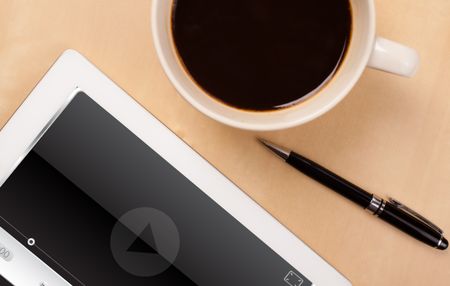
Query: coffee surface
x=261 y=54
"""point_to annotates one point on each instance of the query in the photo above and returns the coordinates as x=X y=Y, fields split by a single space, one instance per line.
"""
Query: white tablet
x=96 y=191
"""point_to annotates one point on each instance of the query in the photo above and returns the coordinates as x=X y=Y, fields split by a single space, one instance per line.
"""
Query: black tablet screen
x=105 y=209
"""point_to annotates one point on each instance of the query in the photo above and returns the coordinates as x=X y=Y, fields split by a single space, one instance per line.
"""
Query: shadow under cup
x=327 y=93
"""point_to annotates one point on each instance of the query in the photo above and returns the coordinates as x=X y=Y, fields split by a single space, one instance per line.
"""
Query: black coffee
x=261 y=54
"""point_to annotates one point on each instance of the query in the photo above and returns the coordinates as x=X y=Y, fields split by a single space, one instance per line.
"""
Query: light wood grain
x=390 y=135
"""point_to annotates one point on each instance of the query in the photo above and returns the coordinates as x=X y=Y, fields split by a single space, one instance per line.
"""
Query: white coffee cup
x=365 y=50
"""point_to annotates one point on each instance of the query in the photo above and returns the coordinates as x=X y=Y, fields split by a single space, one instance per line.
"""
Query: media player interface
x=102 y=208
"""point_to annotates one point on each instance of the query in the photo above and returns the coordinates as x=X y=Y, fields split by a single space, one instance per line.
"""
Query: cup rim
x=258 y=126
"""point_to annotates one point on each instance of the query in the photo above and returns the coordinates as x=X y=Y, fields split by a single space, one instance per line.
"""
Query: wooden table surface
x=391 y=135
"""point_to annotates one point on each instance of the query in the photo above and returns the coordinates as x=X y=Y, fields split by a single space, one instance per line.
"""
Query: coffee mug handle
x=394 y=58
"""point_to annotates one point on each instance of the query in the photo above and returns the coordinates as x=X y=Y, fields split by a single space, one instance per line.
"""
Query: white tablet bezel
x=72 y=72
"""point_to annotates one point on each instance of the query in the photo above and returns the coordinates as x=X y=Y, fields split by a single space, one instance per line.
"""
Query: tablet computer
x=94 y=190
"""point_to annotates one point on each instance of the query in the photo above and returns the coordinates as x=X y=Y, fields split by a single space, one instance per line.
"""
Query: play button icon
x=145 y=242
x=140 y=246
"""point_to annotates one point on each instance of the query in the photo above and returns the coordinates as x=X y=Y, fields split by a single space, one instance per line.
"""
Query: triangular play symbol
x=139 y=245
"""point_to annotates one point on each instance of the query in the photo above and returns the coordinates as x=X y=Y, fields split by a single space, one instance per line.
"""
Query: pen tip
x=264 y=142
x=444 y=244
x=277 y=150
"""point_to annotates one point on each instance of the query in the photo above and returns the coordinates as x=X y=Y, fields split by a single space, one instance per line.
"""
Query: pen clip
x=415 y=214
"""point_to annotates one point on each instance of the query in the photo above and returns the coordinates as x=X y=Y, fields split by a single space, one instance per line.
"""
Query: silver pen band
x=376 y=205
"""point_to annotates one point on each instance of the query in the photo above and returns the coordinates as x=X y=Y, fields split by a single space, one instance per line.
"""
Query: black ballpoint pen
x=391 y=211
